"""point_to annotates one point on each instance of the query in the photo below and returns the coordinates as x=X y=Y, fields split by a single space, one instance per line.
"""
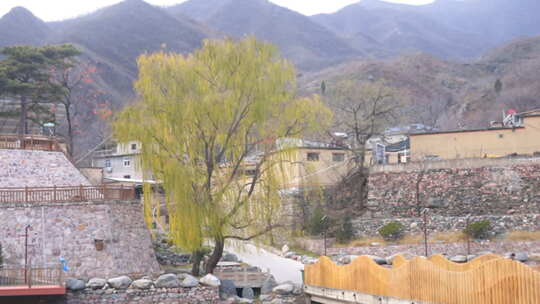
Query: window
x=133 y=146
x=338 y=157
x=127 y=162
x=127 y=176
x=108 y=163
x=250 y=172
x=312 y=156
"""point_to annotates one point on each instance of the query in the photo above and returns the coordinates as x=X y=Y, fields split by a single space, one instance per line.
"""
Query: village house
x=517 y=134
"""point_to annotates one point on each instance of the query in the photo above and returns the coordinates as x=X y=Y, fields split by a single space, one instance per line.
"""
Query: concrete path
x=283 y=269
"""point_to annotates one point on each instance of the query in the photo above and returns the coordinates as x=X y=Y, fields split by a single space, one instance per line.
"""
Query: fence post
x=121 y=196
x=29 y=275
x=26 y=194
x=81 y=192
x=54 y=193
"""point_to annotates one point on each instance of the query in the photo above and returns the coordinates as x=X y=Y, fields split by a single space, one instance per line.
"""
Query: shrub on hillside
x=317 y=223
x=478 y=230
x=345 y=232
x=392 y=231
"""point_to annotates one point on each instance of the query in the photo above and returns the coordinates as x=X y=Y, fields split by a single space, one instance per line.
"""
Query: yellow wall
x=477 y=144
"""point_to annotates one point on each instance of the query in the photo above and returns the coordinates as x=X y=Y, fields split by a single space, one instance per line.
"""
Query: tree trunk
x=197 y=257
x=70 y=131
x=23 y=126
x=216 y=255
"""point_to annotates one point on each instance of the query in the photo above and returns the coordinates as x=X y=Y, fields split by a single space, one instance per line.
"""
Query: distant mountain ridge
x=447 y=28
x=20 y=26
x=308 y=44
x=446 y=55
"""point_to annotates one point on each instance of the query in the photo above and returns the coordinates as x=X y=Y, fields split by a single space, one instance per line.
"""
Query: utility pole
x=325 y=229
x=26 y=254
x=424 y=213
x=468 y=236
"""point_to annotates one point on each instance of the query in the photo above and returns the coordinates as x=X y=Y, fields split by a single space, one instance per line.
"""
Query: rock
x=142 y=284
x=229 y=257
x=167 y=281
x=406 y=255
x=189 y=281
x=210 y=280
x=248 y=293
x=289 y=254
x=535 y=257
x=522 y=257
x=375 y=244
x=347 y=259
x=413 y=225
x=244 y=300
x=285 y=249
x=227 y=289
x=277 y=301
x=297 y=289
x=265 y=297
x=377 y=259
x=96 y=283
x=122 y=282
x=74 y=284
x=268 y=285
x=284 y=289
x=459 y=259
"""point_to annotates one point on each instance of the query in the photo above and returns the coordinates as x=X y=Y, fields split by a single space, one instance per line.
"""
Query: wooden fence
x=29 y=142
x=485 y=280
x=66 y=194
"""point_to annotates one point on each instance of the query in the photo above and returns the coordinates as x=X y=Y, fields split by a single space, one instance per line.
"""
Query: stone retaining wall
x=69 y=230
x=495 y=190
x=500 y=224
x=196 y=295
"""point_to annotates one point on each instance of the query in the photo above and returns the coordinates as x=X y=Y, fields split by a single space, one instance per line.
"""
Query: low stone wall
x=500 y=224
x=69 y=230
x=196 y=295
x=450 y=249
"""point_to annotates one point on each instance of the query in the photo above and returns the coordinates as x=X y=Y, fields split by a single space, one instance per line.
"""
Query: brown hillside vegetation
x=448 y=94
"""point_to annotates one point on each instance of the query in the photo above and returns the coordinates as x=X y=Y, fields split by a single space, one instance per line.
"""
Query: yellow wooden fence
x=489 y=279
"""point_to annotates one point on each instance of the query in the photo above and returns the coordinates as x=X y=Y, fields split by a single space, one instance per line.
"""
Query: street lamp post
x=468 y=236
x=325 y=229
x=424 y=214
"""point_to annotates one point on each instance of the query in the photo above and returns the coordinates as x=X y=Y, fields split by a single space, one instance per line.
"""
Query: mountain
x=20 y=26
x=126 y=30
x=447 y=28
x=303 y=41
x=449 y=94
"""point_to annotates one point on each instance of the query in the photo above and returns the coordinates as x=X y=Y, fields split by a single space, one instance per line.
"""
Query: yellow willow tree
x=203 y=121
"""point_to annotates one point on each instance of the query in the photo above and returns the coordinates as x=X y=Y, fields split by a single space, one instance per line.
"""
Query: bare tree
x=363 y=110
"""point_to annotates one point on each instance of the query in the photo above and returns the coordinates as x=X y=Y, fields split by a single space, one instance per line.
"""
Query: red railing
x=29 y=142
x=31 y=275
x=66 y=194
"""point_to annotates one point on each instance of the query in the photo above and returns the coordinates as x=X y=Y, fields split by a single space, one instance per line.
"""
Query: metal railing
x=66 y=194
x=31 y=275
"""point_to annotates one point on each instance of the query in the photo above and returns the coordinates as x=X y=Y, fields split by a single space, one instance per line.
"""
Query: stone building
x=98 y=230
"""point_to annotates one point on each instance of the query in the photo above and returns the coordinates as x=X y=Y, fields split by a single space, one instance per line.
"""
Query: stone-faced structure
x=96 y=236
x=504 y=191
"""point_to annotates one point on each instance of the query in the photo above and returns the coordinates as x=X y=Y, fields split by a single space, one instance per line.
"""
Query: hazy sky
x=50 y=10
